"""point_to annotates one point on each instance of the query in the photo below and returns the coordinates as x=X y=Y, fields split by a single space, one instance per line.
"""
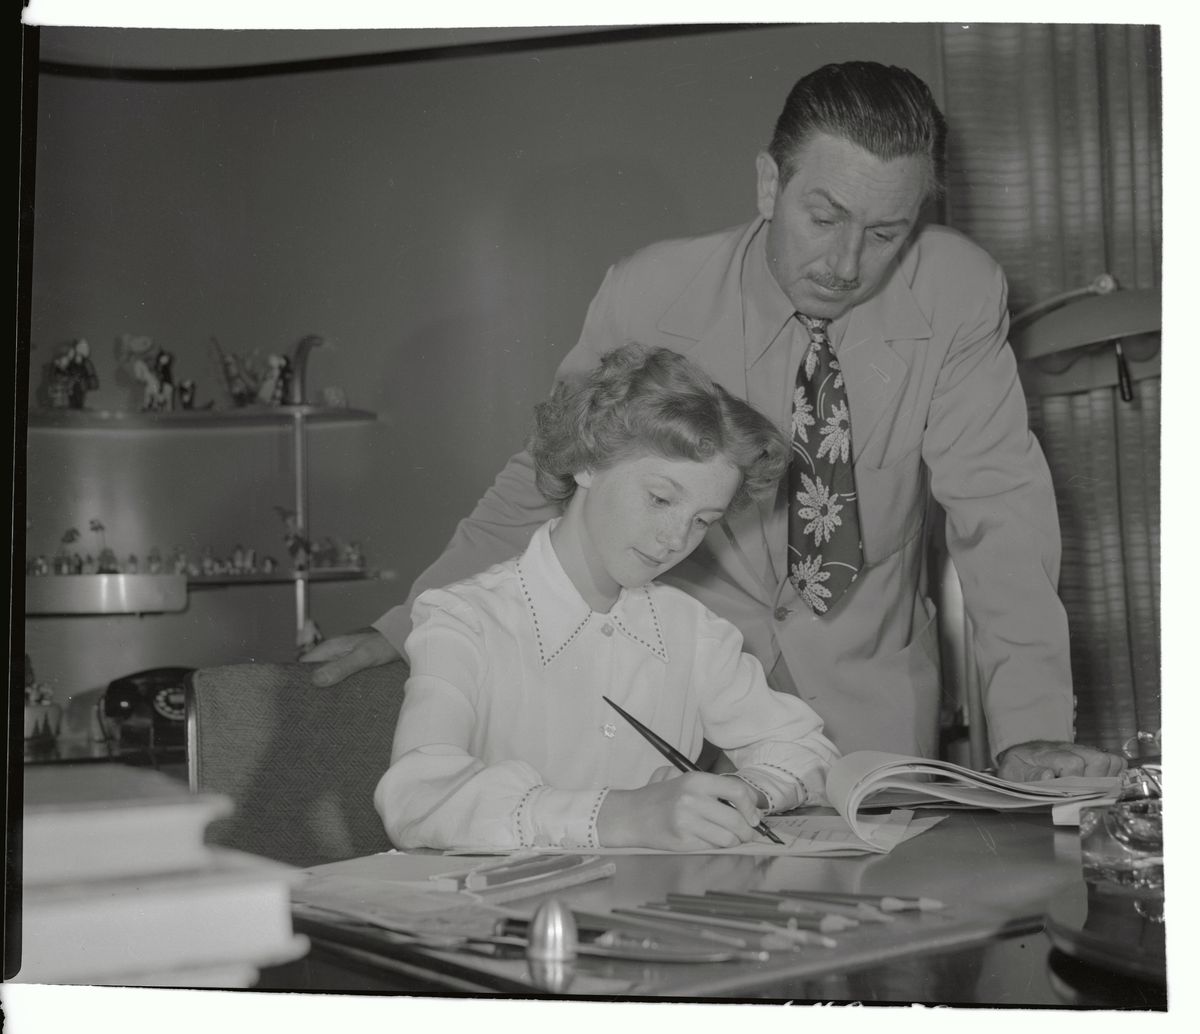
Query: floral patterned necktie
x=824 y=541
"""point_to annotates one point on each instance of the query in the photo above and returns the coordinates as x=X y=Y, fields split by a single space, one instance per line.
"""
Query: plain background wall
x=444 y=223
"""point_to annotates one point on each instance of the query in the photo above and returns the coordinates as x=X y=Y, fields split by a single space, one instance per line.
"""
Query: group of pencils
x=769 y=919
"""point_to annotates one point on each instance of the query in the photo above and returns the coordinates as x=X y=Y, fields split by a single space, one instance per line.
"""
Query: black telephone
x=147 y=708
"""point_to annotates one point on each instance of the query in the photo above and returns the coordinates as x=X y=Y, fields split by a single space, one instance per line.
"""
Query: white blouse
x=504 y=739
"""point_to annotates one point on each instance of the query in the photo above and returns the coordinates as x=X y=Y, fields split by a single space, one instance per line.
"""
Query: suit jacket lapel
x=708 y=317
x=874 y=371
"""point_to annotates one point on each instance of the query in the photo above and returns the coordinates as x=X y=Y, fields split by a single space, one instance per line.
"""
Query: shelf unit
x=138 y=593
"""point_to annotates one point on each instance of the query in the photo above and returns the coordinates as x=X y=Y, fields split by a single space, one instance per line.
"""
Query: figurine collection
x=325 y=554
x=274 y=380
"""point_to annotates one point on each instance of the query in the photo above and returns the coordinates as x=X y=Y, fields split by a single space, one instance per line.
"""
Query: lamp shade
x=1088 y=321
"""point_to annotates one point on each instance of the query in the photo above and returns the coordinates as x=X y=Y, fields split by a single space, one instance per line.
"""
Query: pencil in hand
x=682 y=762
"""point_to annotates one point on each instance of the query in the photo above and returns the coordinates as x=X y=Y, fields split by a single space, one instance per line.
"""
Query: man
x=882 y=345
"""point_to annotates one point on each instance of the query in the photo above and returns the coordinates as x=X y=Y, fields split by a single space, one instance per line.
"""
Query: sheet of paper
x=806 y=836
x=405 y=906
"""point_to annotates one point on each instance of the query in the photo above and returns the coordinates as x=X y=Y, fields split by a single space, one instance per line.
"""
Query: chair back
x=299 y=762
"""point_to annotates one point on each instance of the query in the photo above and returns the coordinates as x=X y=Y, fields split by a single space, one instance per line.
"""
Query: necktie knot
x=816 y=326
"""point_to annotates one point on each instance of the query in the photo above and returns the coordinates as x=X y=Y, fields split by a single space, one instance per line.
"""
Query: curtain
x=1054 y=166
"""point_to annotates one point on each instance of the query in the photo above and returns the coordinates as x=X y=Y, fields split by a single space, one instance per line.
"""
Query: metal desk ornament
x=553 y=946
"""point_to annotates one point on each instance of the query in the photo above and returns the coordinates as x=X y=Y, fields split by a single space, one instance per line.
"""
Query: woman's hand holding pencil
x=685 y=764
x=691 y=812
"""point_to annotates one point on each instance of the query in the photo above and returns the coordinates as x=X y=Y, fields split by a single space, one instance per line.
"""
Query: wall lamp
x=1054 y=335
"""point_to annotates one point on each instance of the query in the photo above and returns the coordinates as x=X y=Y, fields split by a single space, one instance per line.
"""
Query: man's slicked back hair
x=885 y=110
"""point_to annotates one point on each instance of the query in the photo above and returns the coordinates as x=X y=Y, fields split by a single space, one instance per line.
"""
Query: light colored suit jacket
x=935 y=406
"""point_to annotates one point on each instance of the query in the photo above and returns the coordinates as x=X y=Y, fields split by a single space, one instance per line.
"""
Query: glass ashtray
x=1122 y=843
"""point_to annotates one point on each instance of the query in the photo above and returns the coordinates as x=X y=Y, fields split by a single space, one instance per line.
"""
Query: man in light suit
x=917 y=319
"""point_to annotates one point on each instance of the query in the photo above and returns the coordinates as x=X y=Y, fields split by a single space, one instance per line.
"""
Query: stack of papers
x=120 y=887
x=870 y=778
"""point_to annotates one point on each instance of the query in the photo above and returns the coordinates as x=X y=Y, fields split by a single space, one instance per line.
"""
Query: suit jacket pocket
x=891 y=503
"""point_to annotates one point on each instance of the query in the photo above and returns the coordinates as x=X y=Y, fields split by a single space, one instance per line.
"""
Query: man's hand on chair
x=343 y=655
x=1044 y=759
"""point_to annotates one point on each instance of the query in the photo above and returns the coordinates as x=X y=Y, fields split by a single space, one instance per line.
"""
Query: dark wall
x=443 y=222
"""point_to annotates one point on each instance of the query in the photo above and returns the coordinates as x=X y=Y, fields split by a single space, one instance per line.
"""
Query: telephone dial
x=147 y=708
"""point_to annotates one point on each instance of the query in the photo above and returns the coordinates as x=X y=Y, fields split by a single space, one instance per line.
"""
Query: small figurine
x=97 y=527
x=164 y=363
x=239 y=382
x=37 y=694
x=325 y=554
x=352 y=556
x=298 y=546
x=187 y=394
x=208 y=564
x=89 y=565
x=71 y=376
x=83 y=373
x=179 y=561
x=269 y=565
x=146 y=364
x=64 y=562
x=39 y=565
x=106 y=559
x=58 y=388
x=154 y=561
x=273 y=388
x=131 y=565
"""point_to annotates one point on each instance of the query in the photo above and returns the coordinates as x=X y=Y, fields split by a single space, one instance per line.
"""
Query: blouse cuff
x=783 y=789
x=559 y=818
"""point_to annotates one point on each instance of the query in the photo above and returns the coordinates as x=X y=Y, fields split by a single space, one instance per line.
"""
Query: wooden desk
x=997 y=872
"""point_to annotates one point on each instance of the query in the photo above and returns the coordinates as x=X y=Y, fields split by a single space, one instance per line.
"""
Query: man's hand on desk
x=343 y=655
x=1044 y=759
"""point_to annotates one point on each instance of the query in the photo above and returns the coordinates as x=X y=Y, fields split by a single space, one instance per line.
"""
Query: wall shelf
x=105 y=593
x=81 y=594
x=246 y=416
x=140 y=594
x=332 y=574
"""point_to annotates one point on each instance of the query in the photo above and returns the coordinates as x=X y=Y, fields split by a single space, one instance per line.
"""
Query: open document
x=872 y=779
x=873 y=794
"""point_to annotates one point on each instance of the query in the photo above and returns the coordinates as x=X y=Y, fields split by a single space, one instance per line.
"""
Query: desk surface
x=997 y=872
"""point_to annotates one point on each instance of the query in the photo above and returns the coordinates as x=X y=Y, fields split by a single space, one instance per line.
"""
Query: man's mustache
x=833 y=283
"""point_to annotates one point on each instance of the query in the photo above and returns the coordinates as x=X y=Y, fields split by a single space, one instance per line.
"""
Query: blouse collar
x=559 y=613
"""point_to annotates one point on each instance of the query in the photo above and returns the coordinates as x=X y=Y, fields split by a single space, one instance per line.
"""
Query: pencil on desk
x=627 y=919
x=522 y=869
x=855 y=911
x=761 y=928
x=772 y=911
x=884 y=902
x=863 y=910
x=758 y=913
x=835 y=920
x=681 y=761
